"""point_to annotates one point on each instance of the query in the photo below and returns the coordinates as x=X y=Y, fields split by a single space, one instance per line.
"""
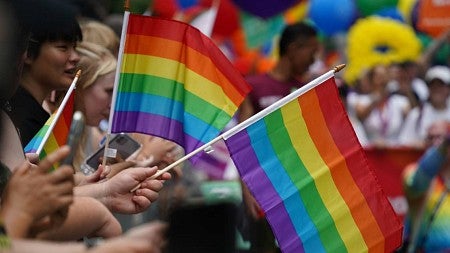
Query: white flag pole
x=123 y=35
x=302 y=90
x=59 y=112
x=312 y=84
x=118 y=68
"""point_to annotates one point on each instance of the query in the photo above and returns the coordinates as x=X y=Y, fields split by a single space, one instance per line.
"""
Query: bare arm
x=86 y=217
x=426 y=57
x=35 y=246
x=246 y=110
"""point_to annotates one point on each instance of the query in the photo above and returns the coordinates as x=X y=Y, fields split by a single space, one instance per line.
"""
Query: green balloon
x=368 y=7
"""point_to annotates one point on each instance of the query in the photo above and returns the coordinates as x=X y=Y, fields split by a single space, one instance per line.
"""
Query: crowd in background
x=393 y=104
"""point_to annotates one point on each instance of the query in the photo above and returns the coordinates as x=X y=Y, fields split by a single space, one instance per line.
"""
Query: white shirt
x=384 y=125
x=418 y=121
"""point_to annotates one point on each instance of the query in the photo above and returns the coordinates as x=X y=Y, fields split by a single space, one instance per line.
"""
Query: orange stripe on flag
x=192 y=59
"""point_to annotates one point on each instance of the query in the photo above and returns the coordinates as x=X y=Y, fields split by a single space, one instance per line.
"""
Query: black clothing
x=27 y=115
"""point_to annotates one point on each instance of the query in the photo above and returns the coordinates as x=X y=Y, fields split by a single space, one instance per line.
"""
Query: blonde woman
x=101 y=34
x=93 y=93
x=93 y=97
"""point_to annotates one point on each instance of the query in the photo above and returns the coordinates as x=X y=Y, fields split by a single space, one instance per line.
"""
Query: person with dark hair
x=32 y=197
x=298 y=47
x=406 y=83
x=435 y=108
x=18 y=189
x=50 y=63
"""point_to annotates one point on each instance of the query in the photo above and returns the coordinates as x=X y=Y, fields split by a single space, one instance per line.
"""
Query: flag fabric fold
x=174 y=83
x=307 y=170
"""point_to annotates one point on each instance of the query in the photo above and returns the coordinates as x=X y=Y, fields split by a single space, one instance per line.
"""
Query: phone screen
x=123 y=143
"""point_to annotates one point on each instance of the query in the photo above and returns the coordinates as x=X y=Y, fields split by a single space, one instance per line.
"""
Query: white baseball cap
x=438 y=72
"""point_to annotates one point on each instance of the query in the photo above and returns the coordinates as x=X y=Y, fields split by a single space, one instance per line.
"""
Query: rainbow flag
x=174 y=83
x=305 y=167
x=55 y=131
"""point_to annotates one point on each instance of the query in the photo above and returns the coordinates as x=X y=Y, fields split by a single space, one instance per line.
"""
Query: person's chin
x=69 y=77
x=65 y=83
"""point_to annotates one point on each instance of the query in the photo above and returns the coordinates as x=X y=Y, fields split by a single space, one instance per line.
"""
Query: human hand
x=33 y=193
x=117 y=196
x=158 y=149
x=111 y=170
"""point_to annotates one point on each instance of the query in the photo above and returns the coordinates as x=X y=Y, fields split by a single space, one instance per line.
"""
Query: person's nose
x=74 y=56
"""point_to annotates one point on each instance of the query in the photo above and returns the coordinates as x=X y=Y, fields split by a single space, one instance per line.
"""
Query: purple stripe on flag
x=241 y=150
x=146 y=123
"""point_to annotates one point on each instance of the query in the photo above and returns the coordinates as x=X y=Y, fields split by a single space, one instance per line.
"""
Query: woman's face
x=97 y=99
x=55 y=66
x=439 y=93
x=380 y=77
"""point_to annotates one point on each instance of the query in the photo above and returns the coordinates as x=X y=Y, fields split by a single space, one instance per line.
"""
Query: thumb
x=54 y=157
x=142 y=173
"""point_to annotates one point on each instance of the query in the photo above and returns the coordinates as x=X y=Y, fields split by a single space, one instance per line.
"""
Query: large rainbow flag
x=307 y=170
x=174 y=83
x=55 y=131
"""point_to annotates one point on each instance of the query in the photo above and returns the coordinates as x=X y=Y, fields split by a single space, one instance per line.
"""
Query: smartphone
x=73 y=139
x=122 y=145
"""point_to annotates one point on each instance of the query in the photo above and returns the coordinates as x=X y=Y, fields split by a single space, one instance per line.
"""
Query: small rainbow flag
x=307 y=170
x=174 y=83
x=55 y=131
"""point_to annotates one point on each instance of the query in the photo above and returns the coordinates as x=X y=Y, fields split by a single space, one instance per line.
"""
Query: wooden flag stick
x=126 y=5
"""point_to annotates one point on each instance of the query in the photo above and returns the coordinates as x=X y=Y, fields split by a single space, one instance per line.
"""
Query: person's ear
x=28 y=59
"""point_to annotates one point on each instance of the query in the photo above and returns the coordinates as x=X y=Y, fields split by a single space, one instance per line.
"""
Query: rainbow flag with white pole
x=55 y=131
x=303 y=163
x=173 y=82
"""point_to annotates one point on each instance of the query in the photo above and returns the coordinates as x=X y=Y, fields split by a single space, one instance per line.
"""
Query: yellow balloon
x=368 y=36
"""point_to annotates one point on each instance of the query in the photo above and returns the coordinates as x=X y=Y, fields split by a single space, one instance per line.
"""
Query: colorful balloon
x=391 y=12
x=265 y=8
x=332 y=16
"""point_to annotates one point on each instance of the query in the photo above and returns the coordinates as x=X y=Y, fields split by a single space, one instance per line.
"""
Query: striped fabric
x=42 y=144
x=306 y=168
x=53 y=134
x=174 y=83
